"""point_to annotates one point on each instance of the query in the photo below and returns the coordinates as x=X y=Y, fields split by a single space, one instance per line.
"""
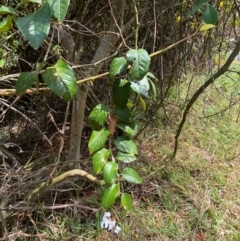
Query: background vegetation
x=189 y=191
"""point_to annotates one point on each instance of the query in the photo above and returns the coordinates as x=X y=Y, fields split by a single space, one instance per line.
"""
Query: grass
x=196 y=197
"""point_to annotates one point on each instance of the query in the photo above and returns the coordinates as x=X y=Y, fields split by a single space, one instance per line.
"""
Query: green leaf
x=125 y=144
x=123 y=114
x=125 y=157
x=140 y=61
x=110 y=195
x=153 y=89
x=126 y=201
x=25 y=81
x=129 y=128
x=1 y=63
x=59 y=8
x=151 y=75
x=99 y=159
x=141 y=87
x=7 y=10
x=210 y=15
x=197 y=6
x=121 y=92
x=118 y=66
x=131 y=176
x=98 y=116
x=98 y=140
x=61 y=79
x=110 y=172
x=142 y=103
x=35 y=27
x=6 y=24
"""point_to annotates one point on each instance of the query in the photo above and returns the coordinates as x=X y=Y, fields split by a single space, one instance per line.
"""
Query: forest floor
x=194 y=197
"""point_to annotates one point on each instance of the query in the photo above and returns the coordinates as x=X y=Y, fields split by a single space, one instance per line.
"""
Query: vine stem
x=137 y=24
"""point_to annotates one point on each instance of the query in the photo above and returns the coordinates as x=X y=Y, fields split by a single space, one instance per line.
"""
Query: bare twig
x=20 y=113
x=220 y=72
x=137 y=23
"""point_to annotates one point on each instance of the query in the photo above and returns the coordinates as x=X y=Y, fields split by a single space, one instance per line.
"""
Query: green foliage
x=130 y=175
x=6 y=24
x=98 y=140
x=128 y=128
x=25 y=81
x=35 y=27
x=125 y=144
x=197 y=6
x=98 y=116
x=109 y=196
x=99 y=159
x=126 y=201
x=61 y=79
x=210 y=15
x=58 y=9
x=110 y=172
x=7 y=10
x=140 y=62
x=141 y=87
x=118 y=66
x=125 y=157
x=121 y=92
x=127 y=75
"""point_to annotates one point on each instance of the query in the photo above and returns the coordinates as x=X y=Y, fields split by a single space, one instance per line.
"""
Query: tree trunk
x=79 y=103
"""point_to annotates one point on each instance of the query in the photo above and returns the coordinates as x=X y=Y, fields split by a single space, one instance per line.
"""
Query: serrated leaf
x=125 y=157
x=129 y=128
x=35 y=27
x=98 y=116
x=206 y=27
x=123 y=114
x=8 y=10
x=141 y=87
x=117 y=67
x=110 y=195
x=110 y=172
x=126 y=201
x=6 y=24
x=59 y=9
x=98 y=140
x=99 y=159
x=25 y=81
x=210 y=15
x=131 y=176
x=125 y=144
x=197 y=6
x=140 y=61
x=142 y=103
x=61 y=79
x=121 y=92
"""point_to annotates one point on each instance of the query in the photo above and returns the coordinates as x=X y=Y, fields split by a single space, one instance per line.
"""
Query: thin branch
x=137 y=23
x=62 y=177
x=220 y=72
x=11 y=92
x=24 y=116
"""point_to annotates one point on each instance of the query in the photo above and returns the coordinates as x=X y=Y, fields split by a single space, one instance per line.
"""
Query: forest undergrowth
x=195 y=196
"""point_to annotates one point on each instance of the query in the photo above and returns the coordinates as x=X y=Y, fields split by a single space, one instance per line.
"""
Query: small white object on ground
x=109 y=223
x=117 y=230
